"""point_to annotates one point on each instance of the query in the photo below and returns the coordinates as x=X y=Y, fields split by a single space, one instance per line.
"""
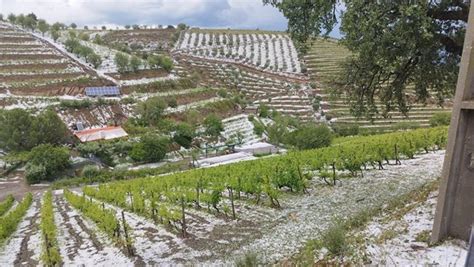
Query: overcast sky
x=238 y=14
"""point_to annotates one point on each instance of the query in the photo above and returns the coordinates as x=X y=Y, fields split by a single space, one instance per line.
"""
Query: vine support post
x=127 y=238
x=231 y=195
x=183 y=223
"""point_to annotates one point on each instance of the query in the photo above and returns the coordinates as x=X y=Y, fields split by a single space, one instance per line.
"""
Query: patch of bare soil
x=16 y=185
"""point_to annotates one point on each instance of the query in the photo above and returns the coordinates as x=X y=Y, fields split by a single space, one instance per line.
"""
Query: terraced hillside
x=270 y=51
x=324 y=65
x=293 y=97
x=31 y=66
x=143 y=40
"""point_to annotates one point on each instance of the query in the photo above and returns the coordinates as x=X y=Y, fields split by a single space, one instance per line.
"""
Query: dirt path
x=24 y=247
x=80 y=242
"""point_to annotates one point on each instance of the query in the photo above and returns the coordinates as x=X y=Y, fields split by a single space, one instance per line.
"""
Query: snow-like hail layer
x=404 y=249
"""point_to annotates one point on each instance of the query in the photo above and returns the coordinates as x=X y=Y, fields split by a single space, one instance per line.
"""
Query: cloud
x=201 y=13
x=238 y=14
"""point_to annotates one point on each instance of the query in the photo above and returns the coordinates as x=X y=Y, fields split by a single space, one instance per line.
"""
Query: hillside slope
x=324 y=61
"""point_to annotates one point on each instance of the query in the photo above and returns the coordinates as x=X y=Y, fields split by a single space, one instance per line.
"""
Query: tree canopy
x=401 y=51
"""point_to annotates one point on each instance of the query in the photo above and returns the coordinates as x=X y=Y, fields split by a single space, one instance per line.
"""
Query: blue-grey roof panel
x=102 y=91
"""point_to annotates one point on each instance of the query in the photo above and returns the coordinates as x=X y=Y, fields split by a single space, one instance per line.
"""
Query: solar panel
x=103 y=91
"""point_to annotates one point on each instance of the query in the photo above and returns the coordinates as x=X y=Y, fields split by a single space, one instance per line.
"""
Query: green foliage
x=440 y=119
x=84 y=36
x=104 y=218
x=151 y=111
x=405 y=125
x=90 y=171
x=419 y=44
x=346 y=129
x=167 y=63
x=335 y=239
x=213 y=126
x=6 y=205
x=50 y=255
x=263 y=111
x=135 y=63
x=310 y=136
x=19 y=130
x=10 y=221
x=94 y=59
x=151 y=148
x=55 y=35
x=184 y=135
x=45 y=162
x=43 y=26
x=122 y=61
x=248 y=260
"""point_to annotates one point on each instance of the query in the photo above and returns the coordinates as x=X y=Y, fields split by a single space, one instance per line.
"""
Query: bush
x=135 y=63
x=346 y=129
x=310 y=136
x=167 y=63
x=263 y=111
x=222 y=93
x=90 y=171
x=151 y=148
x=46 y=162
x=172 y=102
x=20 y=130
x=334 y=239
x=440 y=119
x=122 y=61
x=184 y=135
x=213 y=126
x=151 y=111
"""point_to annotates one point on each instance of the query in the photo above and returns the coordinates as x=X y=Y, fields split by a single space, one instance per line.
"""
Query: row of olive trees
x=74 y=46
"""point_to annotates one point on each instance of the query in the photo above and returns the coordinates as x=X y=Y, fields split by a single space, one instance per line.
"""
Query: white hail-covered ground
x=33 y=48
x=404 y=249
x=272 y=234
x=271 y=52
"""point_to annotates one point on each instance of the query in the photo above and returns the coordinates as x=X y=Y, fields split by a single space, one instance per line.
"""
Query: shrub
x=263 y=111
x=222 y=93
x=405 y=125
x=151 y=148
x=440 y=119
x=151 y=111
x=122 y=61
x=248 y=260
x=46 y=162
x=346 y=129
x=213 y=126
x=135 y=63
x=310 y=136
x=184 y=134
x=167 y=63
x=334 y=239
x=90 y=171
x=20 y=130
x=172 y=102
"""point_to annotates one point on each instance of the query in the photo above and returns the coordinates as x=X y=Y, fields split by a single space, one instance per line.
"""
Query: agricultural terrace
x=30 y=66
x=268 y=207
x=269 y=51
x=324 y=61
x=141 y=40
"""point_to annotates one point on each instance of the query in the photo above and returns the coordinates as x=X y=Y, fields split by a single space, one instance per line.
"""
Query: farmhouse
x=105 y=133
